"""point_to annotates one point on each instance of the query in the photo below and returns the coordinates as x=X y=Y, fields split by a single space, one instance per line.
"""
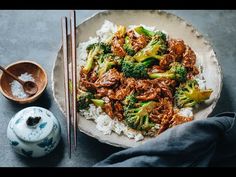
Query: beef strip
x=167 y=60
x=138 y=42
x=189 y=58
x=178 y=119
x=162 y=114
x=176 y=47
x=118 y=111
x=117 y=46
x=189 y=61
x=107 y=108
x=109 y=78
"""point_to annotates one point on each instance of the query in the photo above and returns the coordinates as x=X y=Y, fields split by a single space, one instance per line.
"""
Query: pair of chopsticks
x=71 y=113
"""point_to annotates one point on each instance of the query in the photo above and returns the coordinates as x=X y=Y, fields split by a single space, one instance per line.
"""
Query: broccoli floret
x=98 y=102
x=148 y=33
x=105 y=66
x=189 y=94
x=134 y=69
x=128 y=46
x=120 y=33
x=137 y=118
x=136 y=114
x=94 y=50
x=154 y=49
x=177 y=72
x=129 y=101
x=144 y=31
x=109 y=56
x=104 y=48
x=106 y=62
x=113 y=57
x=84 y=99
x=161 y=35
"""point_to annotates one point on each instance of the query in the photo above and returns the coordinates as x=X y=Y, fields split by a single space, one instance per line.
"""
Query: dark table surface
x=36 y=35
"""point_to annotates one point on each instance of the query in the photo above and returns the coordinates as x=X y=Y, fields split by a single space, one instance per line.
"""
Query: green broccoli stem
x=105 y=67
x=98 y=102
x=161 y=75
x=90 y=60
x=147 y=124
x=141 y=30
x=151 y=50
x=140 y=123
x=137 y=118
x=177 y=72
x=158 y=57
x=128 y=46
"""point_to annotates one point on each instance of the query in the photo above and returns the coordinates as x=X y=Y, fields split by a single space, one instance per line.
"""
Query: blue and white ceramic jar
x=34 y=132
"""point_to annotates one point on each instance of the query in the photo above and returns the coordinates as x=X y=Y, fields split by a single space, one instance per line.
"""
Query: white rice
x=200 y=78
x=186 y=112
x=107 y=125
x=81 y=50
x=103 y=122
x=106 y=31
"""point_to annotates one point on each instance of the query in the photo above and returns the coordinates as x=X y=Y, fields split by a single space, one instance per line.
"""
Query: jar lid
x=33 y=124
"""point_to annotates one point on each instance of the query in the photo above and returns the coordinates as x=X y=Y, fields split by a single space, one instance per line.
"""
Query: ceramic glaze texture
x=34 y=132
x=176 y=28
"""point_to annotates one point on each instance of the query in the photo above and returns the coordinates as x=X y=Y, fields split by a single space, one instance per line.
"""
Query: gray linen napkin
x=200 y=143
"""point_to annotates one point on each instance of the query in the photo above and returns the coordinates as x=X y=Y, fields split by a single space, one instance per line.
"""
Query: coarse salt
x=17 y=89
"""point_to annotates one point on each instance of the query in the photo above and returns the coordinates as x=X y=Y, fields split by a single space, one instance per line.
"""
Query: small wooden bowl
x=18 y=68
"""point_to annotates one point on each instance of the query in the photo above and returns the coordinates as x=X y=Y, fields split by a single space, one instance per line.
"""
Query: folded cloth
x=200 y=143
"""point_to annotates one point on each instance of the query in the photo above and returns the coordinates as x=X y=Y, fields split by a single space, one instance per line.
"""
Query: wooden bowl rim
x=29 y=98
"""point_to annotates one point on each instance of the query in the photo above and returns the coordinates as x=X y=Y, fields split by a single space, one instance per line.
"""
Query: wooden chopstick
x=70 y=112
x=66 y=80
x=74 y=72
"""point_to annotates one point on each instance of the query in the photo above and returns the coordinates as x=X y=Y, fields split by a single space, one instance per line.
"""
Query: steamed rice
x=106 y=125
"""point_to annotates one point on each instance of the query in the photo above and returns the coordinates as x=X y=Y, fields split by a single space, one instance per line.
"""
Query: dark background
x=36 y=35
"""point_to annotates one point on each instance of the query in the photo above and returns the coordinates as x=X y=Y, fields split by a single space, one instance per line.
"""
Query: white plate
x=176 y=28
